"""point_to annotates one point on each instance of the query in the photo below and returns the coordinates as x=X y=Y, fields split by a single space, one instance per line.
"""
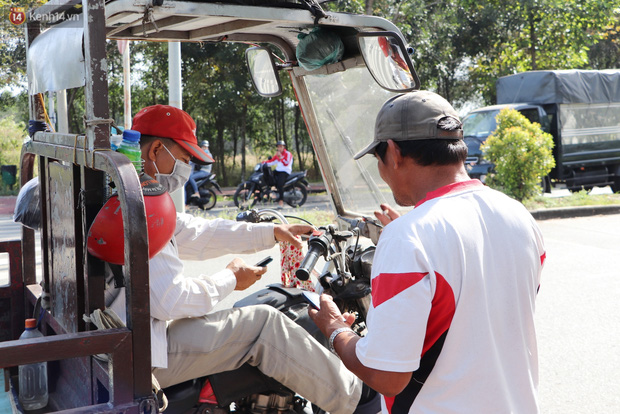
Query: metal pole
x=175 y=89
x=127 y=85
x=63 y=114
x=175 y=98
x=51 y=111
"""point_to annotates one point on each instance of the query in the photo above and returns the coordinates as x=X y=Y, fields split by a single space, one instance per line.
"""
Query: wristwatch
x=333 y=336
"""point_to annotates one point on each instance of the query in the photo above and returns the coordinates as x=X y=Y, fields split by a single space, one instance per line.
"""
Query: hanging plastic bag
x=291 y=260
x=318 y=48
x=28 y=205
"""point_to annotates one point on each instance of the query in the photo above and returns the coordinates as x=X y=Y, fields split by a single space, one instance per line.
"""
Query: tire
x=615 y=185
x=208 y=195
x=545 y=185
x=296 y=196
x=587 y=188
x=244 y=197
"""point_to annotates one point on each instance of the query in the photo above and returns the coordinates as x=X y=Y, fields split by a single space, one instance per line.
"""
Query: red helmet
x=106 y=239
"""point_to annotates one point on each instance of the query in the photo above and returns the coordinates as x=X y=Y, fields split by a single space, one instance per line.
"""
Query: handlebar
x=317 y=246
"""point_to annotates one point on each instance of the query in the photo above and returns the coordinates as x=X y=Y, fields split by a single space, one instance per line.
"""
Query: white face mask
x=177 y=178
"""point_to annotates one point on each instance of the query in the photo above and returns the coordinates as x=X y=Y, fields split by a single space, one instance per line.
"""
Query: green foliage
x=523 y=35
x=460 y=47
x=11 y=137
x=522 y=154
x=581 y=198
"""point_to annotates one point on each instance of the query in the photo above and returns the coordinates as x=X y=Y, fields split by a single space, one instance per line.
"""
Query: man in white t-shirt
x=454 y=281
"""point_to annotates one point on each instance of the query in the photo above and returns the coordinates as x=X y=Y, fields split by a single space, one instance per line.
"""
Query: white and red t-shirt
x=283 y=161
x=454 y=283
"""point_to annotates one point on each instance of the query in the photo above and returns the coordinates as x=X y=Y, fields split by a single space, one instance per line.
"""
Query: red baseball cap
x=166 y=121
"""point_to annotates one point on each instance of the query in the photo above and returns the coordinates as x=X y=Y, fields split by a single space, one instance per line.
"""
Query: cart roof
x=271 y=21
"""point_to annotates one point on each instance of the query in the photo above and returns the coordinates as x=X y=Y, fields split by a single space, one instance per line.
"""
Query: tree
x=533 y=35
x=522 y=154
x=605 y=54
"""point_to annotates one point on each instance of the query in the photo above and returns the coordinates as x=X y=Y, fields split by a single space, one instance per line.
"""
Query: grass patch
x=581 y=198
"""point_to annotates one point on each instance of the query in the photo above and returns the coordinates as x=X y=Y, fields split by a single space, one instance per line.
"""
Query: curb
x=571 y=212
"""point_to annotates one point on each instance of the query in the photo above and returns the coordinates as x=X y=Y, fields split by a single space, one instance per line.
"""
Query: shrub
x=11 y=137
x=522 y=154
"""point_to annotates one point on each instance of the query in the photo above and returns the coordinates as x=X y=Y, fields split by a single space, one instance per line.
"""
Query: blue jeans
x=197 y=175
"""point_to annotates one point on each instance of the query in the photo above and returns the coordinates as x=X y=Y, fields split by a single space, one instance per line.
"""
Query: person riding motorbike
x=188 y=340
x=283 y=160
x=198 y=171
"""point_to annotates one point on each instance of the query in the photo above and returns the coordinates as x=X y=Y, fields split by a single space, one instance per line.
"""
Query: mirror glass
x=263 y=71
x=387 y=60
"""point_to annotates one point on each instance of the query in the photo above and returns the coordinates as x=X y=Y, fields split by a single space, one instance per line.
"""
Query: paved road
x=578 y=316
x=578 y=312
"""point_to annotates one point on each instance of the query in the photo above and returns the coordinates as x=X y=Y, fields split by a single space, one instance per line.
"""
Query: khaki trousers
x=264 y=337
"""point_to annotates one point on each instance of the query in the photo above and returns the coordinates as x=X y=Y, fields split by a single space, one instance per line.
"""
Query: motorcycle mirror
x=387 y=60
x=263 y=71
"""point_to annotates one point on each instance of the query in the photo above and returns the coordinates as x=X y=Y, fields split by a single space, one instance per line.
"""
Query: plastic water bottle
x=130 y=146
x=115 y=141
x=33 y=378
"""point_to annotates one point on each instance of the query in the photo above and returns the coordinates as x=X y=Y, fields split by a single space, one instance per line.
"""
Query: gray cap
x=412 y=116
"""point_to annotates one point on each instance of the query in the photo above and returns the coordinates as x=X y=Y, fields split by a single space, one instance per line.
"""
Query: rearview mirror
x=387 y=60
x=263 y=71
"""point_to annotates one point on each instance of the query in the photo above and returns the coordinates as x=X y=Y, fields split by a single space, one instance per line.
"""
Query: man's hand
x=387 y=214
x=329 y=318
x=246 y=275
x=289 y=233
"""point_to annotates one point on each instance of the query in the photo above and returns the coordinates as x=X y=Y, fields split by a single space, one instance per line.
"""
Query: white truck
x=580 y=108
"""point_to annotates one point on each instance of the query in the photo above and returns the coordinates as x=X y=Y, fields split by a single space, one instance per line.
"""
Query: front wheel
x=296 y=196
x=244 y=197
x=208 y=198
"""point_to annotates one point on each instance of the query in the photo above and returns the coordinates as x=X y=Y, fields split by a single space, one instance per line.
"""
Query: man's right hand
x=387 y=214
x=245 y=274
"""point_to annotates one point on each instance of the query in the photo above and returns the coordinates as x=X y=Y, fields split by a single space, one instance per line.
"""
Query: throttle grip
x=317 y=246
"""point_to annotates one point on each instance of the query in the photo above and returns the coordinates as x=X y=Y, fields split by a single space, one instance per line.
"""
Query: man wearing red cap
x=187 y=339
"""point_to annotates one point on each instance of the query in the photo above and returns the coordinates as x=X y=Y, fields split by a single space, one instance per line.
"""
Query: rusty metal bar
x=120 y=372
x=122 y=172
x=64 y=346
x=96 y=87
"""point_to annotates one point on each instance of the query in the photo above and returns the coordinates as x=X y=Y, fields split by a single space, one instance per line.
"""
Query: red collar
x=449 y=189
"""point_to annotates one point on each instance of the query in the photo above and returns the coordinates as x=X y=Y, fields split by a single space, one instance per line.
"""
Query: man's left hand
x=290 y=232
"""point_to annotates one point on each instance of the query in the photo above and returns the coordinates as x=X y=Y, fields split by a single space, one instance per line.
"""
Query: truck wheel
x=587 y=188
x=545 y=184
x=615 y=186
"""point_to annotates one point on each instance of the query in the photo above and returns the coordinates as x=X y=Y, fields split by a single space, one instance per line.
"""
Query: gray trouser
x=263 y=337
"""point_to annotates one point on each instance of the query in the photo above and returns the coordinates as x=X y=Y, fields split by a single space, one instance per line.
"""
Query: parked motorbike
x=346 y=277
x=259 y=189
x=208 y=197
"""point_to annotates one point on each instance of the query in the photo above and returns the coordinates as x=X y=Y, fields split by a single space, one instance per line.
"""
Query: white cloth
x=175 y=295
x=283 y=161
x=462 y=267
